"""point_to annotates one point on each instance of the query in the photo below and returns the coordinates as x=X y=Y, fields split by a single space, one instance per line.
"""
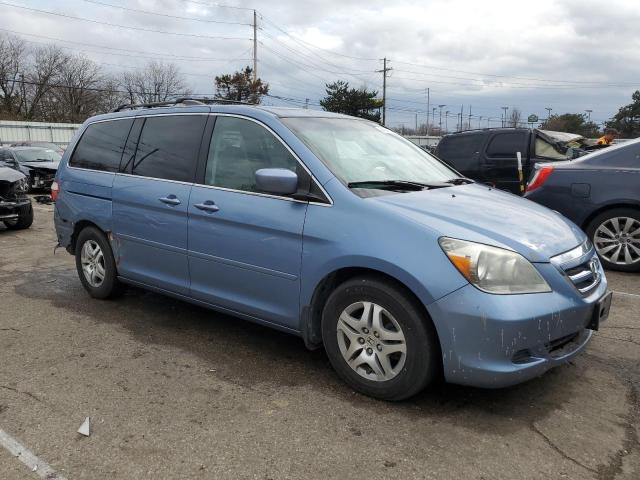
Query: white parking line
x=39 y=467
x=627 y=294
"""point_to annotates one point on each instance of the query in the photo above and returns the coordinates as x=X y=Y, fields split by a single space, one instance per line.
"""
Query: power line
x=316 y=47
x=217 y=5
x=181 y=34
x=166 y=15
x=137 y=53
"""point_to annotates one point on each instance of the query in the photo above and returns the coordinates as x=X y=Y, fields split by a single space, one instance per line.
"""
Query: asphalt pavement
x=176 y=391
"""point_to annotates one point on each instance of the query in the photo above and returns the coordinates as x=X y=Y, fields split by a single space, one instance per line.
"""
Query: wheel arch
x=312 y=313
x=77 y=228
x=609 y=206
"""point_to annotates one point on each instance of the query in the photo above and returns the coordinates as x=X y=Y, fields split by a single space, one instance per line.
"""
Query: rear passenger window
x=506 y=144
x=168 y=147
x=459 y=150
x=240 y=147
x=101 y=145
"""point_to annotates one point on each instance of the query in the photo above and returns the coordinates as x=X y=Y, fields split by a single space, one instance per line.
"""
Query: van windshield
x=361 y=151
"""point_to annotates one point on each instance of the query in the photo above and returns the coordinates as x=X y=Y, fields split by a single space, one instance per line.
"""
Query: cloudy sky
x=570 y=55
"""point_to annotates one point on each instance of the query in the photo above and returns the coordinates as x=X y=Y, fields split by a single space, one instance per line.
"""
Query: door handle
x=170 y=200
x=207 y=206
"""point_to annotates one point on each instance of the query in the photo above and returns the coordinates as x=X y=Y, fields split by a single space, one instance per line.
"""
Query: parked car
x=334 y=229
x=48 y=145
x=601 y=193
x=16 y=211
x=489 y=155
x=38 y=164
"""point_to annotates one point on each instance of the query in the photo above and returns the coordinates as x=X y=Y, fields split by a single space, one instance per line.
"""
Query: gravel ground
x=176 y=391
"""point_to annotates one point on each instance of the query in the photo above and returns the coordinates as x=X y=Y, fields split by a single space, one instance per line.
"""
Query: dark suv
x=490 y=155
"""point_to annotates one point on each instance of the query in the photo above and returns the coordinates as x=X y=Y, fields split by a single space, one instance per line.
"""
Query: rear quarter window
x=101 y=146
x=459 y=151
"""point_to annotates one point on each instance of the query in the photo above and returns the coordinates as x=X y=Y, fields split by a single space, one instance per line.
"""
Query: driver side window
x=238 y=148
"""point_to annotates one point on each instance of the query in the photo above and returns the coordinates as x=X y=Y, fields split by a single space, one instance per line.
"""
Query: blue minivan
x=334 y=229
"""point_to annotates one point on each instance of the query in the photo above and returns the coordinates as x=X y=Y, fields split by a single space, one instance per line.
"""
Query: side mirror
x=278 y=181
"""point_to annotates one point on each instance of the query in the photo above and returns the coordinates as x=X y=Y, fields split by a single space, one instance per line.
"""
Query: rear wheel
x=96 y=265
x=379 y=340
x=24 y=220
x=616 y=237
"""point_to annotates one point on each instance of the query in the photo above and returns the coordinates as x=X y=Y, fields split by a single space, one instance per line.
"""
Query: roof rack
x=185 y=101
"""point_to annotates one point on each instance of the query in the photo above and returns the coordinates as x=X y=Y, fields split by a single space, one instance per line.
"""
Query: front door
x=501 y=163
x=151 y=198
x=244 y=246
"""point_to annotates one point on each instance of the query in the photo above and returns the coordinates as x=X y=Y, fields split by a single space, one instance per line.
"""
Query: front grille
x=585 y=277
x=581 y=267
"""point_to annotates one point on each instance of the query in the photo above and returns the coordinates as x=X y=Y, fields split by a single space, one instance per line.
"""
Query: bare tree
x=515 y=118
x=42 y=76
x=76 y=95
x=111 y=94
x=156 y=82
x=13 y=62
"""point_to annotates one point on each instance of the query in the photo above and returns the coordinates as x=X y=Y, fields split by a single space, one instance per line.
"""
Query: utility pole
x=416 y=124
x=440 y=124
x=548 y=109
x=428 y=109
x=469 y=117
x=384 y=89
x=306 y=103
x=480 y=122
x=461 y=114
x=255 y=46
x=588 y=115
x=446 y=123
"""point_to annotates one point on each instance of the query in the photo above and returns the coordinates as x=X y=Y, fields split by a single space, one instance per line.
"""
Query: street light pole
x=446 y=123
x=548 y=109
x=440 y=124
x=588 y=115
x=428 y=109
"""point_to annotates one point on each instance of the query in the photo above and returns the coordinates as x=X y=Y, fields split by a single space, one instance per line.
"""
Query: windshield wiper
x=460 y=181
x=397 y=185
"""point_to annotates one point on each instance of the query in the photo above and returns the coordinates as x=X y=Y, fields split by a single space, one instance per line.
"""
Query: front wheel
x=379 y=340
x=616 y=237
x=24 y=220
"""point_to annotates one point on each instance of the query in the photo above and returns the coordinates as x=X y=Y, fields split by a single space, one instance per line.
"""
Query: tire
x=602 y=232
x=108 y=286
x=405 y=374
x=25 y=219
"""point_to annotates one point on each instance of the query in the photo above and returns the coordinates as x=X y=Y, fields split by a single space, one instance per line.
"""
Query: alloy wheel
x=92 y=260
x=617 y=240
x=371 y=341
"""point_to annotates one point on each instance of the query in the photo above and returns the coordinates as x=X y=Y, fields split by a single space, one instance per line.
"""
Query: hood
x=10 y=175
x=482 y=214
x=43 y=165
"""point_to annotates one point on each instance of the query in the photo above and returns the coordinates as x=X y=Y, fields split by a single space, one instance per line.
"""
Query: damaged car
x=490 y=155
x=16 y=211
x=38 y=164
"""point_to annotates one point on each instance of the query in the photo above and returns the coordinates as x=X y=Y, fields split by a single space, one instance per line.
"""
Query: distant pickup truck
x=490 y=155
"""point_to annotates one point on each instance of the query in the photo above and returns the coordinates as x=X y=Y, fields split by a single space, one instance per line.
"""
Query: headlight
x=22 y=185
x=493 y=269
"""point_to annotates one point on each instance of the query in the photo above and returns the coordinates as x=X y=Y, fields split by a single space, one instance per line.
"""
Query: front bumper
x=41 y=180
x=10 y=209
x=496 y=341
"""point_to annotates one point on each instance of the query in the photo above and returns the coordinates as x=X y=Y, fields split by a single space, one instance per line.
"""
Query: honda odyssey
x=332 y=228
